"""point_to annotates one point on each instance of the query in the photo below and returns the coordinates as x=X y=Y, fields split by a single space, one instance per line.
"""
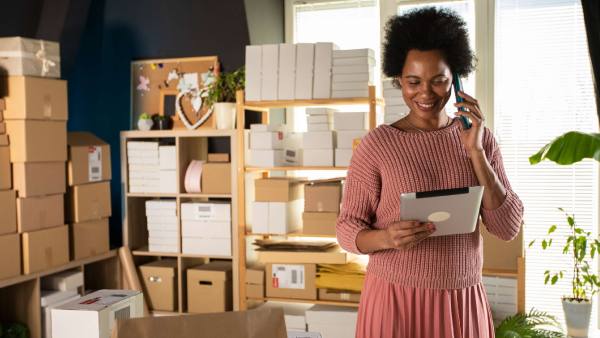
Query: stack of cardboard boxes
x=353 y=71
x=395 y=107
x=322 y=200
x=162 y=223
x=88 y=197
x=144 y=167
x=277 y=205
x=349 y=126
x=271 y=146
x=206 y=228
x=318 y=146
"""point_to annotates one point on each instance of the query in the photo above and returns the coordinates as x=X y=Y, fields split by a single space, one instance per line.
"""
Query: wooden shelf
x=309 y=301
x=193 y=195
x=143 y=251
x=500 y=273
x=262 y=105
x=292 y=234
x=290 y=168
x=151 y=195
x=178 y=133
x=174 y=195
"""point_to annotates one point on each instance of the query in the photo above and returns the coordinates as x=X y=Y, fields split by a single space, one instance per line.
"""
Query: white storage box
x=164 y=220
x=259 y=127
x=319 y=119
x=360 y=77
x=49 y=297
x=317 y=157
x=322 y=73
x=340 y=86
x=162 y=234
x=168 y=157
x=345 y=138
x=319 y=111
x=47 y=315
x=287 y=71
x=332 y=321
x=64 y=281
x=206 y=246
x=354 y=61
x=142 y=145
x=266 y=158
x=29 y=57
x=353 y=53
x=339 y=94
x=349 y=121
x=168 y=181
x=206 y=211
x=276 y=217
x=161 y=208
x=352 y=69
x=305 y=56
x=343 y=157
x=270 y=140
x=270 y=68
x=260 y=217
x=94 y=315
x=163 y=241
x=206 y=229
x=319 y=127
x=163 y=248
x=318 y=140
x=162 y=226
x=253 y=73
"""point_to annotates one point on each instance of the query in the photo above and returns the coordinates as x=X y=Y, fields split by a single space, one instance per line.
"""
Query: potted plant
x=583 y=248
x=535 y=324
x=221 y=96
x=145 y=122
x=163 y=122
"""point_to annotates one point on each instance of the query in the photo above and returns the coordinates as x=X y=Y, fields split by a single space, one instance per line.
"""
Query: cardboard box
x=47 y=315
x=35 y=98
x=359 y=85
x=345 y=138
x=255 y=283
x=287 y=71
x=206 y=229
x=89 y=239
x=89 y=202
x=5 y=169
x=267 y=140
x=334 y=255
x=253 y=73
x=160 y=284
x=216 y=178
x=10 y=255
x=319 y=127
x=319 y=223
x=278 y=189
x=318 y=140
x=260 y=127
x=276 y=217
x=36 y=213
x=339 y=296
x=349 y=121
x=305 y=57
x=322 y=72
x=270 y=68
x=44 y=249
x=219 y=247
x=218 y=157
x=64 y=281
x=317 y=157
x=20 y=57
x=93 y=315
x=340 y=94
x=8 y=212
x=89 y=159
x=296 y=281
x=353 y=53
x=211 y=211
x=39 y=179
x=168 y=157
x=209 y=288
x=2 y=128
x=323 y=196
x=37 y=141
x=348 y=61
x=332 y=321
x=359 y=77
x=352 y=69
x=343 y=157
x=168 y=182
x=266 y=158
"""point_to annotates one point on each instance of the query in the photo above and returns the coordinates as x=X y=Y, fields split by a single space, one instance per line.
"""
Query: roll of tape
x=193 y=177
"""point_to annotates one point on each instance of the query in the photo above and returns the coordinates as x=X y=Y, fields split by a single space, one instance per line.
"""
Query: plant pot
x=224 y=114
x=164 y=124
x=145 y=124
x=577 y=316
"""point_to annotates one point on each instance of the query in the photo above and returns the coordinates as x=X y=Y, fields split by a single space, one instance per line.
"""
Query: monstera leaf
x=570 y=148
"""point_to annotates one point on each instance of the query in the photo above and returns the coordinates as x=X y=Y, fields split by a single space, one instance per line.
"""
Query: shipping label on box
x=295 y=281
x=206 y=211
x=287 y=276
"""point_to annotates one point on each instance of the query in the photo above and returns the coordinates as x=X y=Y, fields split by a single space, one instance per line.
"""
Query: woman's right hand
x=406 y=234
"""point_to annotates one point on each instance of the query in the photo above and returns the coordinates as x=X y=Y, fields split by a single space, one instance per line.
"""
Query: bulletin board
x=176 y=87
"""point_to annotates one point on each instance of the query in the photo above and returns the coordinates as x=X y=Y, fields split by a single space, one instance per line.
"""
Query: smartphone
x=457 y=83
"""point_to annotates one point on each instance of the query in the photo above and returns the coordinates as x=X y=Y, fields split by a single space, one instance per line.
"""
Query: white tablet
x=453 y=211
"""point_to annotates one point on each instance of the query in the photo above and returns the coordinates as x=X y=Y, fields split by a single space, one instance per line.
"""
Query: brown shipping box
x=278 y=189
x=36 y=213
x=160 y=284
x=89 y=239
x=319 y=223
x=36 y=98
x=44 y=249
x=255 y=283
x=296 y=281
x=8 y=212
x=323 y=196
x=89 y=158
x=2 y=128
x=216 y=178
x=89 y=202
x=37 y=141
x=2 y=107
x=4 y=140
x=39 y=179
x=10 y=256
x=5 y=170
x=218 y=157
x=339 y=296
x=499 y=254
x=209 y=288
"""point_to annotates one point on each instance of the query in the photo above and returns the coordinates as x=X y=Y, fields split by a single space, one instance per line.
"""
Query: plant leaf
x=569 y=148
x=544 y=244
x=551 y=230
x=531 y=243
x=554 y=279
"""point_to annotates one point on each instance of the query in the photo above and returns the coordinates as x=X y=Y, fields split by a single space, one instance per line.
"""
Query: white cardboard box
x=323 y=64
x=359 y=77
x=319 y=111
x=302 y=334
x=361 y=60
x=253 y=72
x=332 y=321
x=345 y=138
x=294 y=314
x=319 y=127
x=276 y=217
x=207 y=229
x=360 y=85
x=354 y=53
x=162 y=248
x=94 y=315
x=147 y=145
x=168 y=157
x=49 y=297
x=318 y=140
x=206 y=246
x=270 y=140
x=270 y=69
x=206 y=211
x=47 y=315
x=170 y=205
x=165 y=220
x=163 y=233
x=343 y=157
x=260 y=217
x=349 y=120
x=339 y=94
x=352 y=69
x=305 y=56
x=319 y=119
x=168 y=182
x=287 y=71
x=63 y=281
x=266 y=158
x=162 y=227
x=259 y=127
x=163 y=241
x=318 y=157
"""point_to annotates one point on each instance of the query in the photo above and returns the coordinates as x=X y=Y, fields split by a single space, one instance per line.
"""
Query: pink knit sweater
x=389 y=162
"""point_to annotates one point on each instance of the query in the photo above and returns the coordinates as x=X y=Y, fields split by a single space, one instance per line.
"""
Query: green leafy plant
x=534 y=324
x=569 y=148
x=14 y=330
x=145 y=116
x=583 y=248
x=224 y=87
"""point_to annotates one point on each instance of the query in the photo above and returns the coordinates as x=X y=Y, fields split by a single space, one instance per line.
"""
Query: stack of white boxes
x=58 y=290
x=270 y=146
x=332 y=321
x=318 y=146
x=349 y=126
x=305 y=67
x=319 y=119
x=161 y=218
x=206 y=228
x=323 y=70
x=395 y=107
x=353 y=71
x=168 y=169
x=144 y=166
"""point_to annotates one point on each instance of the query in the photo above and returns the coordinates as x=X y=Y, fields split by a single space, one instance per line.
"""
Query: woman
x=417 y=285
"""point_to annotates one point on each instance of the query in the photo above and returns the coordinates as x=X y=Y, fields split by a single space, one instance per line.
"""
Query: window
x=543 y=88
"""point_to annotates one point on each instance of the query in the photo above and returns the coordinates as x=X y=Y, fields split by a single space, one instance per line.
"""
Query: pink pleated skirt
x=389 y=310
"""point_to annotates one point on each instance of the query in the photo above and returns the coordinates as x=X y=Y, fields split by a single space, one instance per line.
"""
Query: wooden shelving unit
x=20 y=296
x=190 y=145
x=263 y=107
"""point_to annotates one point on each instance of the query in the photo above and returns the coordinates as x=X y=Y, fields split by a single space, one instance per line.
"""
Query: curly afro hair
x=426 y=29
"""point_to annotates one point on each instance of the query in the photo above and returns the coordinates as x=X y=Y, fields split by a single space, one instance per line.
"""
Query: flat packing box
x=323 y=195
x=10 y=256
x=255 y=283
x=209 y=288
x=296 y=281
x=93 y=316
x=332 y=256
x=35 y=98
x=39 y=179
x=36 y=213
x=89 y=238
x=216 y=178
x=19 y=56
x=278 y=189
x=339 y=296
x=89 y=202
x=37 y=141
x=319 y=223
x=44 y=249
x=8 y=212
x=160 y=284
x=5 y=170
x=89 y=159
x=63 y=281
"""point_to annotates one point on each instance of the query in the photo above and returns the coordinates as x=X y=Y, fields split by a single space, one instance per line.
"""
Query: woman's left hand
x=472 y=138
